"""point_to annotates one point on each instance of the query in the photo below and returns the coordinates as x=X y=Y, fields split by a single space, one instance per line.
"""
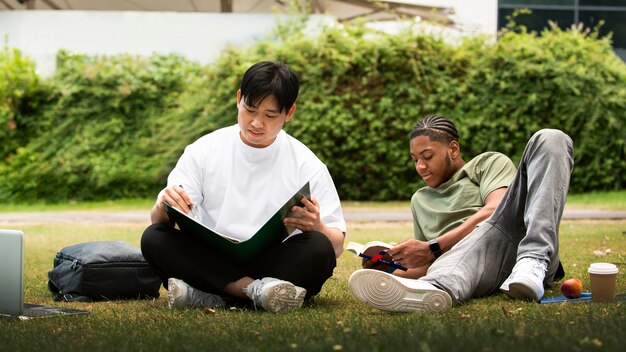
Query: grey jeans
x=525 y=224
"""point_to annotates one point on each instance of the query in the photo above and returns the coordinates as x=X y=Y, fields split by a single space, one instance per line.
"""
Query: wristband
x=433 y=245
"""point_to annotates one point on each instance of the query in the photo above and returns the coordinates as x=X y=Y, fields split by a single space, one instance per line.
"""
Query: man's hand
x=306 y=218
x=369 y=264
x=174 y=196
x=177 y=197
x=412 y=254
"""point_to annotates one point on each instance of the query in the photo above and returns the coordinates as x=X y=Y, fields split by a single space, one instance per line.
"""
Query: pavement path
x=88 y=216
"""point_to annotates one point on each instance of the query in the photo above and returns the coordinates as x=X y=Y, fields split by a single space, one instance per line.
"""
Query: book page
x=373 y=248
x=169 y=208
x=355 y=247
x=270 y=233
x=375 y=255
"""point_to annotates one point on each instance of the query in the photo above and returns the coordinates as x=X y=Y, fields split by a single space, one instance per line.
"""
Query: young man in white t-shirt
x=236 y=178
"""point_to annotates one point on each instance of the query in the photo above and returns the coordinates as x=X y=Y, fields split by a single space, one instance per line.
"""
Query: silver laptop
x=12 y=282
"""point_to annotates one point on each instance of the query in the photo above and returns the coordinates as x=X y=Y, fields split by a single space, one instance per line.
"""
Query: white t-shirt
x=239 y=187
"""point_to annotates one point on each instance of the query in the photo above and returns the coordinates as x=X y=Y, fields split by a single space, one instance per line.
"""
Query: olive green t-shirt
x=441 y=209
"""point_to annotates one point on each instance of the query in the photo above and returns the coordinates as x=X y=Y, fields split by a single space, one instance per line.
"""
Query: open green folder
x=272 y=232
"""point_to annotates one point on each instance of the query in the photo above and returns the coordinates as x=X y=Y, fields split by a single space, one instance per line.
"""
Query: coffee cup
x=602 y=277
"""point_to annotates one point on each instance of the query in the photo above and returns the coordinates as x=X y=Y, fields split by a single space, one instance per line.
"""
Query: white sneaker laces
x=530 y=268
x=536 y=267
x=254 y=290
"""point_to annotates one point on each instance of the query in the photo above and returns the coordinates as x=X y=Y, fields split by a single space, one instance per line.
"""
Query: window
x=614 y=21
x=568 y=12
x=538 y=19
x=528 y=3
x=616 y=3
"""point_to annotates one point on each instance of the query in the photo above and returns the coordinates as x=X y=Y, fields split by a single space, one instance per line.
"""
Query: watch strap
x=434 y=247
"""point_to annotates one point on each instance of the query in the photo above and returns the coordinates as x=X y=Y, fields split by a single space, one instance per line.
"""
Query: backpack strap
x=58 y=296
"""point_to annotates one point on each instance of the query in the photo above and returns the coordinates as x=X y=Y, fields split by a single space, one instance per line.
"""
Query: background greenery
x=113 y=127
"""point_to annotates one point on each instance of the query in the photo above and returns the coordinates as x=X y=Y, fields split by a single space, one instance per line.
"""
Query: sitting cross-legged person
x=236 y=178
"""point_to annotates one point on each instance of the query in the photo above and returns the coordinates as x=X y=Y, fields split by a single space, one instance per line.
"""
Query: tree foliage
x=112 y=127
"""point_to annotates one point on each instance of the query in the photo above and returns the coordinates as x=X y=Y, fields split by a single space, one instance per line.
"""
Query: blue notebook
x=584 y=297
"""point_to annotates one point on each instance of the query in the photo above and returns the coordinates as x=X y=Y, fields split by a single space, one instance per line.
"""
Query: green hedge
x=95 y=126
x=113 y=127
x=563 y=80
x=21 y=92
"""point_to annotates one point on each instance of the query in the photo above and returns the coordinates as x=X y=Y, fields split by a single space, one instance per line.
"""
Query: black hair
x=437 y=128
x=265 y=79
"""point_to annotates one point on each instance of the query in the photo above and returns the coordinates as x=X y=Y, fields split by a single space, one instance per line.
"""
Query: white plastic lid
x=602 y=268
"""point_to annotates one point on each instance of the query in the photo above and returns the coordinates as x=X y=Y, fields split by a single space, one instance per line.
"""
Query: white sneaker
x=181 y=295
x=392 y=293
x=526 y=280
x=275 y=295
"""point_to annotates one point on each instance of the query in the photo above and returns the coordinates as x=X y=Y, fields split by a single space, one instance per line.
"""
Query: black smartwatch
x=434 y=248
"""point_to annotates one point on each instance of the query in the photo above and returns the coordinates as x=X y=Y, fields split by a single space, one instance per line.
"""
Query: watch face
x=433 y=245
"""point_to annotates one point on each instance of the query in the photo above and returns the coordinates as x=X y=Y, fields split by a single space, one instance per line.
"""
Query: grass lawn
x=598 y=200
x=336 y=320
x=615 y=200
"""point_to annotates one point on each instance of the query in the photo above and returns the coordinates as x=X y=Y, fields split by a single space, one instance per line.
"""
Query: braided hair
x=437 y=128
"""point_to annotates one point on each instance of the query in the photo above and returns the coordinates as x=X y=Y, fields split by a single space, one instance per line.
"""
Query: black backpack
x=102 y=270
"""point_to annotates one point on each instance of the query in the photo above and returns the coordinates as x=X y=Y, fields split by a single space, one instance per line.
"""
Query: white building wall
x=472 y=16
x=197 y=36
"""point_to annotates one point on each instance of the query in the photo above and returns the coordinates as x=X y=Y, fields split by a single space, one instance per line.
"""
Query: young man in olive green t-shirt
x=479 y=226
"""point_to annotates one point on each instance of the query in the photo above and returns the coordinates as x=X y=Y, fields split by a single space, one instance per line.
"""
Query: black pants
x=306 y=260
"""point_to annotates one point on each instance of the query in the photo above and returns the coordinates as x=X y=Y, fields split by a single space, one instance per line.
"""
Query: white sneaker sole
x=523 y=289
x=505 y=286
x=282 y=296
x=385 y=292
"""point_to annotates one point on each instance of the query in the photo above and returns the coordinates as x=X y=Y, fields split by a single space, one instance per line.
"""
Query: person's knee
x=318 y=252
x=553 y=140
x=317 y=262
x=321 y=245
x=150 y=240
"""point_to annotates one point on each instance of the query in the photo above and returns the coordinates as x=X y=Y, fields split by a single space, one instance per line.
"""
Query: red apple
x=572 y=288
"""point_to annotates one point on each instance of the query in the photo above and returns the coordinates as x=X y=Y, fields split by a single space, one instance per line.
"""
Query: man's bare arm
x=449 y=239
x=416 y=254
